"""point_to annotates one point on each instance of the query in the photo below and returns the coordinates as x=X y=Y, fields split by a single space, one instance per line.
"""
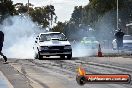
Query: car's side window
x=43 y=38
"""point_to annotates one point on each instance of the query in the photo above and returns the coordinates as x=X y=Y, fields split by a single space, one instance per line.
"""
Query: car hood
x=54 y=43
x=127 y=41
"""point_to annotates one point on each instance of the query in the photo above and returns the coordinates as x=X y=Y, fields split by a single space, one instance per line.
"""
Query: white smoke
x=19 y=36
x=104 y=34
x=81 y=51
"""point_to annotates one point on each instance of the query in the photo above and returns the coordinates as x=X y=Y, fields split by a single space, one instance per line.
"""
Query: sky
x=63 y=8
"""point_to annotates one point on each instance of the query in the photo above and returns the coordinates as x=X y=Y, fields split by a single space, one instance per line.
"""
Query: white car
x=127 y=43
x=52 y=44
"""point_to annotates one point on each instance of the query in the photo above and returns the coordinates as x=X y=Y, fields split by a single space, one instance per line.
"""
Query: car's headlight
x=67 y=47
x=44 y=48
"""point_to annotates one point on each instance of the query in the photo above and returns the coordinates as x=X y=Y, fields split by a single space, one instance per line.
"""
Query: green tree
x=77 y=15
x=50 y=10
x=6 y=9
x=59 y=27
x=96 y=14
x=21 y=8
x=39 y=15
x=43 y=15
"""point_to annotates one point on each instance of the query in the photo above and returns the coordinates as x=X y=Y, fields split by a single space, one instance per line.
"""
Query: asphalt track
x=33 y=73
x=4 y=83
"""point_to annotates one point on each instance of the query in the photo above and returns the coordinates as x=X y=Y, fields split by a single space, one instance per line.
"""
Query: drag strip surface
x=62 y=73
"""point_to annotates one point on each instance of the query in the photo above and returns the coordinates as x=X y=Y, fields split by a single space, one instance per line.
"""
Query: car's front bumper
x=55 y=52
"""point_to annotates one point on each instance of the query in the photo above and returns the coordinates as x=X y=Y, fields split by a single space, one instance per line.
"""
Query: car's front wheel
x=38 y=56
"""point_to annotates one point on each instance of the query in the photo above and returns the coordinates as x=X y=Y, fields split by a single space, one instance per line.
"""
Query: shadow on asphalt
x=59 y=58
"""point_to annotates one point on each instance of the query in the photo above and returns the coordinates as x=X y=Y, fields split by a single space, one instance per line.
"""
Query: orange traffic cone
x=99 y=51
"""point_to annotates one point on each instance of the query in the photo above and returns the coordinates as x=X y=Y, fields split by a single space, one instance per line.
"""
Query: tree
x=6 y=9
x=21 y=8
x=50 y=10
x=77 y=15
x=39 y=15
x=100 y=15
x=59 y=27
x=43 y=15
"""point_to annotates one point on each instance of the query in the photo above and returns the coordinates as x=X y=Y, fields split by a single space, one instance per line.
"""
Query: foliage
x=6 y=9
x=44 y=16
x=60 y=27
x=101 y=16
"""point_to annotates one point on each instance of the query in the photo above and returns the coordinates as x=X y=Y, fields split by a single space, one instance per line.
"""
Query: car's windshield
x=52 y=36
x=127 y=38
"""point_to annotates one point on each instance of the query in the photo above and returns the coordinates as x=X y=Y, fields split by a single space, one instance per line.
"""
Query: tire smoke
x=19 y=36
x=82 y=51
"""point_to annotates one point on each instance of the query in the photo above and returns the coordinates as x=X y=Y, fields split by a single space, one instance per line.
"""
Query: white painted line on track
x=5 y=83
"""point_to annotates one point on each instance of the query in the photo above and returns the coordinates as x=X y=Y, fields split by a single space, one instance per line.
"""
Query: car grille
x=56 y=47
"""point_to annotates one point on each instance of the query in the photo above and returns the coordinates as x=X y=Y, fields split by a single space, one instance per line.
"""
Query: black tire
x=40 y=57
x=69 y=56
x=36 y=56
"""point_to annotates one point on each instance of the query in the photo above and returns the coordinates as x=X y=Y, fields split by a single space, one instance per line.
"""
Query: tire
x=36 y=56
x=69 y=56
x=40 y=57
